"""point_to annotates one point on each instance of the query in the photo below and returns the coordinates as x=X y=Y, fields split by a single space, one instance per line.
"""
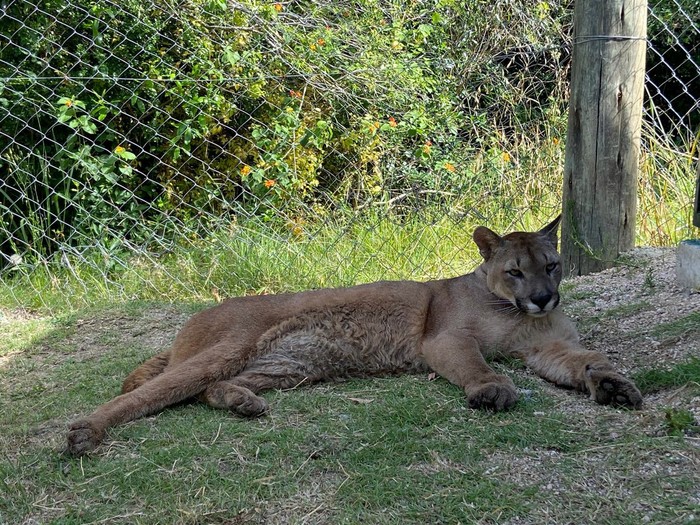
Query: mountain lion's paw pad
x=610 y=388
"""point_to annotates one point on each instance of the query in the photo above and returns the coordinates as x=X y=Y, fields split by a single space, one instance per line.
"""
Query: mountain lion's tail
x=147 y=371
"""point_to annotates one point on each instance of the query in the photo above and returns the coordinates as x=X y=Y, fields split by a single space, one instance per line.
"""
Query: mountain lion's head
x=522 y=267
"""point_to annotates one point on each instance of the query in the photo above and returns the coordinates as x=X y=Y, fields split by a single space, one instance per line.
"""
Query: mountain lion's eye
x=515 y=273
x=551 y=267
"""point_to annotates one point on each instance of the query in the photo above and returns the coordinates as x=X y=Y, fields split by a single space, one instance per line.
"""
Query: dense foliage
x=119 y=115
x=121 y=120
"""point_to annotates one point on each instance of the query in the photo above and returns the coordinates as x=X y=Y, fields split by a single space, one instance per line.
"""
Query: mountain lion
x=228 y=354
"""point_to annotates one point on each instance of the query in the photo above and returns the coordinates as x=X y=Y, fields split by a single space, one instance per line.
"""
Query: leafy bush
x=127 y=118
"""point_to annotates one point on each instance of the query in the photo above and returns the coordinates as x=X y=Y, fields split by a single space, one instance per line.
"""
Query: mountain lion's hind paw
x=83 y=437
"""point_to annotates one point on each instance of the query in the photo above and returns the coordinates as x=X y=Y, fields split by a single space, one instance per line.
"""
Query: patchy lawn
x=394 y=450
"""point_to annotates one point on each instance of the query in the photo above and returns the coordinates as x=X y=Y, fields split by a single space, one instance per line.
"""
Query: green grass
x=680 y=421
x=259 y=258
x=687 y=325
x=681 y=374
x=665 y=190
x=18 y=335
x=387 y=450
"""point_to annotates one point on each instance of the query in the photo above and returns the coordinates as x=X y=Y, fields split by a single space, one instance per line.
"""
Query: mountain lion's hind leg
x=268 y=372
x=183 y=381
x=146 y=371
x=567 y=364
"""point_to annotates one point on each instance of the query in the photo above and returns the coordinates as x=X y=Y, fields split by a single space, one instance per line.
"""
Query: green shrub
x=125 y=119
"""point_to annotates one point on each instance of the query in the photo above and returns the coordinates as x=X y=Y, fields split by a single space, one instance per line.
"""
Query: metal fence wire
x=144 y=143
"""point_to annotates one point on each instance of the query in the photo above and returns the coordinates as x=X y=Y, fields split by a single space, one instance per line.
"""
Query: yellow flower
x=392 y=122
x=506 y=156
x=555 y=141
x=245 y=170
x=278 y=7
x=426 y=148
x=321 y=42
x=68 y=102
x=269 y=183
x=296 y=227
x=450 y=167
x=119 y=149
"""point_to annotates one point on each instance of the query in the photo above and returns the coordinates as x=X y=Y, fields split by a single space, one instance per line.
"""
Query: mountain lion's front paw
x=83 y=437
x=493 y=396
x=610 y=388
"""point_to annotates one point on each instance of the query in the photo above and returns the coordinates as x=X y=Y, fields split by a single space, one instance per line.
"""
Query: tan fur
x=228 y=354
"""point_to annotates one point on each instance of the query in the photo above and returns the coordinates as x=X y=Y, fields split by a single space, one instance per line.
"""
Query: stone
x=688 y=264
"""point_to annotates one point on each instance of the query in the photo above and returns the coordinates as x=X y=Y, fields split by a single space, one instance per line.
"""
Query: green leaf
x=87 y=125
x=305 y=139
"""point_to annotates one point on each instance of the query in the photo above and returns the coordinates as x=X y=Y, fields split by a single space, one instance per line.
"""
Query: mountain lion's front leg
x=566 y=363
x=457 y=358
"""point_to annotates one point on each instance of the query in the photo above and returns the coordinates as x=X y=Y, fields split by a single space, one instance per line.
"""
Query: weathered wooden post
x=602 y=149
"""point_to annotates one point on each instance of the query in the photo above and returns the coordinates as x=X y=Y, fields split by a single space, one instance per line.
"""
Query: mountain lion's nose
x=541 y=300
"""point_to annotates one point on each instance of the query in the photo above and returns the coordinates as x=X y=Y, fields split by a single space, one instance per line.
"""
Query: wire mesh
x=203 y=148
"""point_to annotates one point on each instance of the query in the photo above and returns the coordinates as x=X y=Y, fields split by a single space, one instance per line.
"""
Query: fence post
x=604 y=128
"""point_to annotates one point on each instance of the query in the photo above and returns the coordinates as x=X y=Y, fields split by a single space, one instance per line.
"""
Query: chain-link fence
x=204 y=148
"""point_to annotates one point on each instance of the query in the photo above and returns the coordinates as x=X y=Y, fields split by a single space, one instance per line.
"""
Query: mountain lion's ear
x=550 y=231
x=486 y=240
